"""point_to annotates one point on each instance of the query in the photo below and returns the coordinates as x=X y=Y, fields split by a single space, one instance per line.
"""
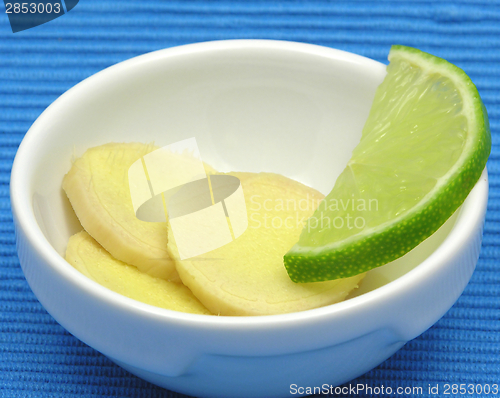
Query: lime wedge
x=423 y=148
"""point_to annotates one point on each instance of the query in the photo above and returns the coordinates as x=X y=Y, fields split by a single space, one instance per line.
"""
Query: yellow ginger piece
x=88 y=257
x=247 y=276
x=98 y=188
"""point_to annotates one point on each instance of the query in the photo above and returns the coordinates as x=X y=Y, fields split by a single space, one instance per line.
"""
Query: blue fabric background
x=38 y=358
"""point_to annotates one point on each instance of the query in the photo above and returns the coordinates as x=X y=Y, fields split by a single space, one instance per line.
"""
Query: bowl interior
x=288 y=108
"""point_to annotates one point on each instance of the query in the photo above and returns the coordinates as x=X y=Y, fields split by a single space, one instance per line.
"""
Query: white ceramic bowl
x=290 y=108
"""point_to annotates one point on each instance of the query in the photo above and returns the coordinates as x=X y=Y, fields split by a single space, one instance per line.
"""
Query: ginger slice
x=247 y=276
x=88 y=257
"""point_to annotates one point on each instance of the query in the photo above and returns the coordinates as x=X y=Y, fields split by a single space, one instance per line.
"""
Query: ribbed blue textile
x=38 y=358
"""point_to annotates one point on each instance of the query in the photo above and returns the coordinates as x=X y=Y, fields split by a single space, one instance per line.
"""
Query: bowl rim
x=471 y=212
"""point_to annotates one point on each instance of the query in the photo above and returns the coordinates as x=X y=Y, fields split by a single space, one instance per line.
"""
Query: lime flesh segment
x=423 y=148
